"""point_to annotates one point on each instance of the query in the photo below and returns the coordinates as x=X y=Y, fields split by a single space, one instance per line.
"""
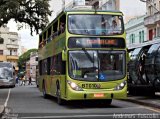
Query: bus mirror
x=64 y=55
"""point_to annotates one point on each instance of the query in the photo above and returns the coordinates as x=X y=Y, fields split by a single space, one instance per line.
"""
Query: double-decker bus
x=7 y=75
x=82 y=56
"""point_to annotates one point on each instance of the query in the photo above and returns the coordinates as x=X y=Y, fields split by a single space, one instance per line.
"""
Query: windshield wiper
x=88 y=55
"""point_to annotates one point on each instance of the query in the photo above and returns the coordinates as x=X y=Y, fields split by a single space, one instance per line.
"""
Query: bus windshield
x=5 y=73
x=95 y=24
x=97 y=65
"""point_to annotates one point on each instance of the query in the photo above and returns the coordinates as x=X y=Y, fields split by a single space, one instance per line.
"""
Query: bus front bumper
x=96 y=94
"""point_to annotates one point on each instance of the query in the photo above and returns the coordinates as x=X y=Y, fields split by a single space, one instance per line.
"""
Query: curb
x=2 y=108
x=136 y=101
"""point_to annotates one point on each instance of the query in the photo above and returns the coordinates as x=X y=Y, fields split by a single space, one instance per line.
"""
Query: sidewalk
x=146 y=101
x=1 y=110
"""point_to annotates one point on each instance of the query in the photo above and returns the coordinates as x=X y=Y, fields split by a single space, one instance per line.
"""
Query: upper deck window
x=95 y=24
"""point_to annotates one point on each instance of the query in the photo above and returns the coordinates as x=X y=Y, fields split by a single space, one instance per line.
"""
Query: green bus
x=82 y=56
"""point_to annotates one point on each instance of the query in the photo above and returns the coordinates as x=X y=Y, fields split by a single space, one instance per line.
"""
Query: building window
x=150 y=10
x=140 y=38
x=150 y=34
x=155 y=10
x=1 y=40
x=158 y=31
x=159 y=5
x=1 y=52
x=10 y=52
x=155 y=33
x=132 y=38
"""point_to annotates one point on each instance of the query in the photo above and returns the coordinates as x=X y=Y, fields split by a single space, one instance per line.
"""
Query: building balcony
x=12 y=57
x=12 y=46
x=152 y=20
x=2 y=57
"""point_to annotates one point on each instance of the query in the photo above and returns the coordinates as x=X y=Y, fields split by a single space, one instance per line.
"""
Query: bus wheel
x=44 y=91
x=59 y=100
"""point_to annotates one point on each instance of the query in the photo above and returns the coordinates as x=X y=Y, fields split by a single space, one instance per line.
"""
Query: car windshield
x=97 y=65
x=95 y=24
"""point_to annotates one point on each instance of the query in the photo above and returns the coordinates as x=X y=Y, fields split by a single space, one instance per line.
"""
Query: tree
x=25 y=57
x=32 y=12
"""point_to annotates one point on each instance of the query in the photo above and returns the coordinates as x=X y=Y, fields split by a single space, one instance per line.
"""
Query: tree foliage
x=32 y=12
x=25 y=57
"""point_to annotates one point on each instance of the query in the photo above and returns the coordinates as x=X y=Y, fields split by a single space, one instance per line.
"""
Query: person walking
x=17 y=80
x=23 y=80
x=30 y=81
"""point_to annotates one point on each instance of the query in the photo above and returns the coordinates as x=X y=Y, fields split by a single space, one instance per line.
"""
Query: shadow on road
x=78 y=104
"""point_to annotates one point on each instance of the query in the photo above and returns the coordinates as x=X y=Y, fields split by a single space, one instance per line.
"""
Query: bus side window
x=49 y=38
x=40 y=67
x=48 y=65
x=62 y=24
x=61 y=64
x=55 y=30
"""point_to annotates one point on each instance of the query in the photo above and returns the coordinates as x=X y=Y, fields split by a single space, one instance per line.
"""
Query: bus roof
x=81 y=10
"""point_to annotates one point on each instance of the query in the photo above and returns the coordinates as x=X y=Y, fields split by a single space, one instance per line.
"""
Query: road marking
x=152 y=109
x=6 y=102
x=73 y=116
x=89 y=116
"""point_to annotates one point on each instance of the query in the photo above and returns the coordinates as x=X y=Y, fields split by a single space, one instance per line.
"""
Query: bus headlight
x=121 y=86
x=74 y=86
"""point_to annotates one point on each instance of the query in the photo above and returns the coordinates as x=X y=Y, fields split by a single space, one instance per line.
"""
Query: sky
x=130 y=8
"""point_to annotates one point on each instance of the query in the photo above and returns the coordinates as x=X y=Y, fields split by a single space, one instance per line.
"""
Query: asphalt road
x=27 y=102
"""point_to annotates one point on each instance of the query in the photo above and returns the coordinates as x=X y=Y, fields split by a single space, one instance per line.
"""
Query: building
x=23 y=50
x=98 y=4
x=9 y=46
x=152 y=20
x=110 y=4
x=136 y=31
x=31 y=65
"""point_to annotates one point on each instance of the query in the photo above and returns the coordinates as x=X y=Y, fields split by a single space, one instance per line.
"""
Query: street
x=27 y=102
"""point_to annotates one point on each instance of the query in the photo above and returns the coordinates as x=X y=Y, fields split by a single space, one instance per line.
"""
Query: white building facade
x=9 y=46
x=99 y=4
x=33 y=64
x=136 y=32
x=152 y=20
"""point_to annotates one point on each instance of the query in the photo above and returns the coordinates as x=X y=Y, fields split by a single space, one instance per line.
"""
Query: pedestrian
x=30 y=81
x=23 y=80
x=17 y=80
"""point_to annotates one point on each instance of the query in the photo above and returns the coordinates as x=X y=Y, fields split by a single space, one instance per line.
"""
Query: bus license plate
x=99 y=95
